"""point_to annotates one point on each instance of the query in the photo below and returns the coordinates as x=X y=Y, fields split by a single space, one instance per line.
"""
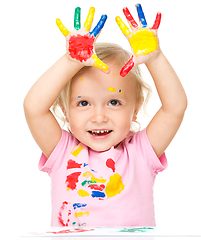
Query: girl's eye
x=114 y=103
x=83 y=104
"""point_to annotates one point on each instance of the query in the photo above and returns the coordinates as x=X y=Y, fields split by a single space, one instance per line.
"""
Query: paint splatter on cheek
x=81 y=47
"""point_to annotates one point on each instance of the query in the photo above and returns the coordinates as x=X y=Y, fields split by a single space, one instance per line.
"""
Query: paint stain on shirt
x=76 y=150
x=110 y=164
x=73 y=164
x=114 y=186
x=83 y=193
x=72 y=179
x=81 y=214
x=64 y=214
x=97 y=194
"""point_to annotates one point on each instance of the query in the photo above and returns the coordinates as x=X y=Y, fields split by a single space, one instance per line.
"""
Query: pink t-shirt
x=112 y=188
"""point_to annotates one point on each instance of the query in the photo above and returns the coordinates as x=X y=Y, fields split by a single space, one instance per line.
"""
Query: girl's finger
x=141 y=15
x=99 y=26
x=125 y=30
x=62 y=28
x=157 y=21
x=77 y=24
x=130 y=18
x=89 y=19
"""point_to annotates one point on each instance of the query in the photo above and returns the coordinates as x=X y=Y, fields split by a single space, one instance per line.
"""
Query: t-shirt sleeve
x=53 y=163
x=143 y=144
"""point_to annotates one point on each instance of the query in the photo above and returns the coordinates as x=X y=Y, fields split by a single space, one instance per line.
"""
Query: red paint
x=72 y=179
x=63 y=209
x=110 y=164
x=97 y=187
x=76 y=230
x=157 y=21
x=81 y=47
x=73 y=164
x=128 y=66
x=130 y=17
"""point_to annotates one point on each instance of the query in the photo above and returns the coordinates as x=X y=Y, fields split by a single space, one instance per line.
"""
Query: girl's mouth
x=99 y=133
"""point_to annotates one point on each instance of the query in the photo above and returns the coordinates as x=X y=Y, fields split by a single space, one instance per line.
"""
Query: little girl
x=102 y=172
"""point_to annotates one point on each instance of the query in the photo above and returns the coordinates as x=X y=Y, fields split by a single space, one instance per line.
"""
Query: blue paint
x=99 y=26
x=85 y=164
x=141 y=15
x=79 y=205
x=98 y=194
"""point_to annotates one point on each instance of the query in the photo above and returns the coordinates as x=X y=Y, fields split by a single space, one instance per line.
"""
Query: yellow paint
x=82 y=214
x=94 y=179
x=120 y=91
x=125 y=30
x=81 y=79
x=89 y=19
x=62 y=27
x=87 y=174
x=112 y=89
x=99 y=64
x=143 y=42
x=83 y=193
x=68 y=189
x=114 y=186
x=76 y=150
x=98 y=180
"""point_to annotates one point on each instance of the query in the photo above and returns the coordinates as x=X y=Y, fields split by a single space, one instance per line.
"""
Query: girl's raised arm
x=145 y=49
x=80 y=52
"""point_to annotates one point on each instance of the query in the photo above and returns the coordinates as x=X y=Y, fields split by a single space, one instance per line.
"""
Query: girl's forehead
x=94 y=78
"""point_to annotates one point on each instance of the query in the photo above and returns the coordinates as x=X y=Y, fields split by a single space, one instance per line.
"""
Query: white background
x=31 y=43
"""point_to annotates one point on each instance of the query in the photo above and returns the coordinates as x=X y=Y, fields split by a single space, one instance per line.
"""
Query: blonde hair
x=108 y=53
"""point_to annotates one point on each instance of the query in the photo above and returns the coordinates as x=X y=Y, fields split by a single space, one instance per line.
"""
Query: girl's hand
x=80 y=42
x=143 y=40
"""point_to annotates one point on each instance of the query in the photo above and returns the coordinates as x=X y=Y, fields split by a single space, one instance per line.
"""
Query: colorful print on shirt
x=87 y=183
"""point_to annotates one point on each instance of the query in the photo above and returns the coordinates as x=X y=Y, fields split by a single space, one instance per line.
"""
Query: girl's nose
x=99 y=116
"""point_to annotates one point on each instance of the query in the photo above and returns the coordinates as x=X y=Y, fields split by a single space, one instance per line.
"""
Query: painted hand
x=143 y=40
x=80 y=42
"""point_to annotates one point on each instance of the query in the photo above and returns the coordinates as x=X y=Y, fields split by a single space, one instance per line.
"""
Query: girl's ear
x=64 y=111
x=137 y=109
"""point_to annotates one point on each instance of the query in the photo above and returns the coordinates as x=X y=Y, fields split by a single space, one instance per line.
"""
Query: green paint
x=87 y=182
x=77 y=24
x=144 y=229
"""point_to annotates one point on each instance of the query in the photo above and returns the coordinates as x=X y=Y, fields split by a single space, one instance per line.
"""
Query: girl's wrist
x=74 y=64
x=154 y=58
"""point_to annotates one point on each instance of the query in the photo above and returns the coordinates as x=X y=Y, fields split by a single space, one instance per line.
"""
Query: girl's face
x=102 y=108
